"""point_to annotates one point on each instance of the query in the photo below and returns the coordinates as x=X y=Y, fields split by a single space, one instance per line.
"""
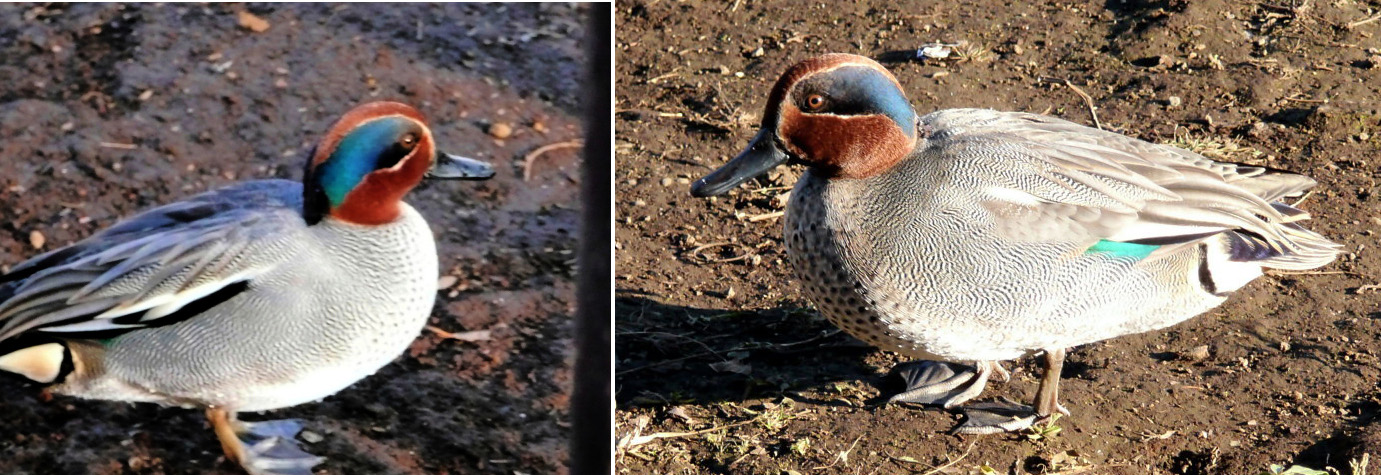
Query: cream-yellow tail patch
x=41 y=363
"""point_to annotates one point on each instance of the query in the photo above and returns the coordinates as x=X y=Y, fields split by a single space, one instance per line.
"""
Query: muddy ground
x=720 y=336
x=108 y=109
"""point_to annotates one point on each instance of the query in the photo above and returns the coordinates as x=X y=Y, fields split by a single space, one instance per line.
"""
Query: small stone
x=251 y=22
x=144 y=96
x=500 y=130
x=1195 y=354
x=446 y=282
x=36 y=239
x=757 y=52
x=281 y=83
x=667 y=181
x=311 y=437
x=1174 y=101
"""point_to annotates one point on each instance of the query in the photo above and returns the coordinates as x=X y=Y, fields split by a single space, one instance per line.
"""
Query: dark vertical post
x=592 y=420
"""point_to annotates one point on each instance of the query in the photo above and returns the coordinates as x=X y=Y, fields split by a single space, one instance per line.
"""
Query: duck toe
x=996 y=417
x=279 y=456
x=285 y=428
x=262 y=448
x=939 y=383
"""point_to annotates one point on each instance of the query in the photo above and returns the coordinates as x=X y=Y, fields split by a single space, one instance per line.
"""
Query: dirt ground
x=717 y=350
x=108 y=109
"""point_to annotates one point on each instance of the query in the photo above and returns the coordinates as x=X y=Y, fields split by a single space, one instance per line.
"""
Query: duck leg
x=262 y=448
x=1047 y=395
x=944 y=384
x=1007 y=416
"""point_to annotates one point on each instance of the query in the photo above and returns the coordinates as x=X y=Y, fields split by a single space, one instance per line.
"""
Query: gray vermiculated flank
x=326 y=305
x=920 y=259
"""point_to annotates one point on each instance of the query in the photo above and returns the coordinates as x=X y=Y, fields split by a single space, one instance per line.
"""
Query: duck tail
x=1270 y=184
x=1293 y=247
x=40 y=359
x=1300 y=248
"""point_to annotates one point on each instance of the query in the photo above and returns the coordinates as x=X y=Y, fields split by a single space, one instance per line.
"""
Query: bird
x=257 y=296
x=968 y=237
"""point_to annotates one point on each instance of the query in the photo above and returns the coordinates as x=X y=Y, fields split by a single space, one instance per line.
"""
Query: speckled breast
x=813 y=245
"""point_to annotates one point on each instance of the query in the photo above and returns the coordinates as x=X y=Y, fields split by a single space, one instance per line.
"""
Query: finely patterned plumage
x=1004 y=234
x=950 y=270
x=257 y=296
x=325 y=306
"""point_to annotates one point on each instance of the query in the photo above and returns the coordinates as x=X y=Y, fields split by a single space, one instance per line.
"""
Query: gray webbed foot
x=995 y=417
x=1007 y=416
x=943 y=384
x=272 y=449
x=263 y=448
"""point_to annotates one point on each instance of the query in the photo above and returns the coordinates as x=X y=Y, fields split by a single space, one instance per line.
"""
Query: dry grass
x=1218 y=148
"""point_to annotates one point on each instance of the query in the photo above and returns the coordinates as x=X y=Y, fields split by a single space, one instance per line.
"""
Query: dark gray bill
x=452 y=167
x=761 y=155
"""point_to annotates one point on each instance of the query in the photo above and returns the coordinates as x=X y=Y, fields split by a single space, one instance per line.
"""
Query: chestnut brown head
x=843 y=115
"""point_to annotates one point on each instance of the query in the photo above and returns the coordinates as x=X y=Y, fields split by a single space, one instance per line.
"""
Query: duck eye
x=408 y=141
x=815 y=102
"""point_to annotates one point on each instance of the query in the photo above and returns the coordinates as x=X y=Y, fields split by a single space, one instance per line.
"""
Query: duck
x=261 y=295
x=968 y=237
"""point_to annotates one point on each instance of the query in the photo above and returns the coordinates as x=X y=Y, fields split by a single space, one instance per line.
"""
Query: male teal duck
x=966 y=237
x=261 y=295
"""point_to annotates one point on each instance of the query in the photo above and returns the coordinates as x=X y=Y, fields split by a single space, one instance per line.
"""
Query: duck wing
x=159 y=267
x=1062 y=181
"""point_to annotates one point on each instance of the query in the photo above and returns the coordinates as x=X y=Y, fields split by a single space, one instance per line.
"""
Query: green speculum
x=1122 y=249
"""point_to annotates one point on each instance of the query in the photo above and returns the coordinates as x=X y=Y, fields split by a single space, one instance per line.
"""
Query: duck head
x=843 y=115
x=370 y=159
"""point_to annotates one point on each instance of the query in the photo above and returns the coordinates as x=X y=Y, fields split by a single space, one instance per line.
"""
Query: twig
x=1308 y=101
x=1363 y=21
x=842 y=456
x=936 y=469
x=952 y=462
x=121 y=146
x=768 y=189
x=1088 y=100
x=630 y=442
x=1083 y=470
x=773 y=346
x=532 y=156
x=477 y=335
x=664 y=76
x=740 y=257
x=765 y=216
